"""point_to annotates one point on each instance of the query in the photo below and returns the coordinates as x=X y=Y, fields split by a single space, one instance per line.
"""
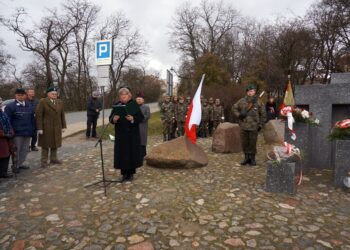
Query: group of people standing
x=20 y=123
x=26 y=117
x=173 y=112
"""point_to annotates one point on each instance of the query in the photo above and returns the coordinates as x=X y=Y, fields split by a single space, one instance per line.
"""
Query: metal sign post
x=169 y=79
x=104 y=59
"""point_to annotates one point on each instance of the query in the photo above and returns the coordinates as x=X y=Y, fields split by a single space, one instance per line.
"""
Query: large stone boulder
x=227 y=138
x=274 y=132
x=177 y=153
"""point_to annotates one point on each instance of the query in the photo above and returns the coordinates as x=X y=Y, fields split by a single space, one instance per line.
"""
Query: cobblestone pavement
x=220 y=206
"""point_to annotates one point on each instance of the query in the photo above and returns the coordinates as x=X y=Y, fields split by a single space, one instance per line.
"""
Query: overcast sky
x=152 y=18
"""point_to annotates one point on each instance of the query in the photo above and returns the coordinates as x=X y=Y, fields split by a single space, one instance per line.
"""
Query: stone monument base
x=177 y=153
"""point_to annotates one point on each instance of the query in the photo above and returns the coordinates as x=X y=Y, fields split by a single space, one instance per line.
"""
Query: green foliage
x=138 y=81
x=154 y=127
x=213 y=68
x=339 y=134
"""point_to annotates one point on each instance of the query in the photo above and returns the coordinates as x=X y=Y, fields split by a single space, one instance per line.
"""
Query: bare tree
x=326 y=24
x=44 y=38
x=196 y=31
x=5 y=58
x=128 y=44
x=81 y=47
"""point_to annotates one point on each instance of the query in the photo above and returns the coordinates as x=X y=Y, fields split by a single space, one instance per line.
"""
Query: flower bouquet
x=302 y=115
x=341 y=130
x=294 y=114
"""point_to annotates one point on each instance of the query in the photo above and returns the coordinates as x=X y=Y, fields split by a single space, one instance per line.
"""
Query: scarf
x=5 y=123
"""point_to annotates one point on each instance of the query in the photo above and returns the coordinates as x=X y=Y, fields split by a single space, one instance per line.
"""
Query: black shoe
x=15 y=170
x=246 y=160
x=252 y=160
x=123 y=179
x=34 y=148
x=6 y=176
x=23 y=167
x=129 y=178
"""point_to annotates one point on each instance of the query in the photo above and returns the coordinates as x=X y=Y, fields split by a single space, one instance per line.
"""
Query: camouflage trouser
x=248 y=141
x=181 y=127
x=173 y=129
x=203 y=129
x=210 y=127
x=167 y=127
x=215 y=124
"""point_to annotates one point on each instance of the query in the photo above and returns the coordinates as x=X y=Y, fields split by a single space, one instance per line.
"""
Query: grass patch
x=154 y=127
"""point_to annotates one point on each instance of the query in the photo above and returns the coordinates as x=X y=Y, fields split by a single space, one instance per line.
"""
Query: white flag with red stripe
x=194 y=114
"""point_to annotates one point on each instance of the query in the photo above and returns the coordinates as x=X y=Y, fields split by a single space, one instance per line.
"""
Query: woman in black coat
x=271 y=109
x=127 y=134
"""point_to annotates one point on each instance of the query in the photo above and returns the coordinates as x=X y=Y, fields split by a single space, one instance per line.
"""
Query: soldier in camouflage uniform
x=167 y=116
x=252 y=116
x=218 y=114
x=211 y=109
x=174 y=126
x=203 y=127
x=180 y=116
x=188 y=101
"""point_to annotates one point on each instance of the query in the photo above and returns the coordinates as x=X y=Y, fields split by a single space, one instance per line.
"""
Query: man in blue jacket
x=21 y=115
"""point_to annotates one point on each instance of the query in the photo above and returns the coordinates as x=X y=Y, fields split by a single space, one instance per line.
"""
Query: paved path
x=220 y=206
x=76 y=121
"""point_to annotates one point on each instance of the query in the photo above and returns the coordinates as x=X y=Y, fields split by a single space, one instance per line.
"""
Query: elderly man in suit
x=50 y=122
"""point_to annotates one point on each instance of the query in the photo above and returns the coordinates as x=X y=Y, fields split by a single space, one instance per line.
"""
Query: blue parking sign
x=104 y=52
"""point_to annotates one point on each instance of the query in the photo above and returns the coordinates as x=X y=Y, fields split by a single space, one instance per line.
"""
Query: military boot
x=246 y=159
x=252 y=160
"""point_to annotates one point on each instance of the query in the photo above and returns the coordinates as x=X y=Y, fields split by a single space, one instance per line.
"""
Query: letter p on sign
x=104 y=52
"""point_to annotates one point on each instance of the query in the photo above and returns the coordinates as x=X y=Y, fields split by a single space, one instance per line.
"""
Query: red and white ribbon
x=287 y=111
x=343 y=124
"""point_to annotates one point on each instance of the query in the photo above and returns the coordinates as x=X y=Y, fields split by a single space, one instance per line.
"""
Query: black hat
x=20 y=91
x=51 y=89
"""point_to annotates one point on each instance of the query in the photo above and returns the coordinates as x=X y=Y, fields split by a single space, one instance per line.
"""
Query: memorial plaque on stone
x=341 y=161
x=280 y=177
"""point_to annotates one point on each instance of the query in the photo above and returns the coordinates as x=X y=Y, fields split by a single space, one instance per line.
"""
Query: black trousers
x=4 y=163
x=34 y=139
x=128 y=172
x=91 y=122
x=143 y=152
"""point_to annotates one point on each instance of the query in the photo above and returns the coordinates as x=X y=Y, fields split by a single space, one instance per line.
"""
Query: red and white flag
x=194 y=114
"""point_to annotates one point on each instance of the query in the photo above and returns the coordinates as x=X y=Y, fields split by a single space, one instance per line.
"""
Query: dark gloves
x=259 y=128
x=242 y=115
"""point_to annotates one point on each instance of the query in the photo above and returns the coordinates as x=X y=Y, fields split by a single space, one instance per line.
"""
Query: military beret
x=51 y=89
x=250 y=87
x=20 y=91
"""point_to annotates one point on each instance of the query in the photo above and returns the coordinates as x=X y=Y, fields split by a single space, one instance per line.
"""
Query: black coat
x=271 y=111
x=92 y=105
x=127 y=153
